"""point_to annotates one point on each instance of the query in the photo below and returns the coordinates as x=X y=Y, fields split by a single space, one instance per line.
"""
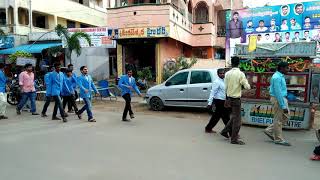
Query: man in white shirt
x=218 y=97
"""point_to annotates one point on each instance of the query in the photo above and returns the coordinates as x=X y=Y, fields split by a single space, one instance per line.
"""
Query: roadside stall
x=302 y=82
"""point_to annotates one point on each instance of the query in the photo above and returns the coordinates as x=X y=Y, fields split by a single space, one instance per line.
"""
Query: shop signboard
x=273 y=24
x=100 y=37
x=6 y=42
x=262 y=114
x=23 y=61
x=144 y=32
x=301 y=49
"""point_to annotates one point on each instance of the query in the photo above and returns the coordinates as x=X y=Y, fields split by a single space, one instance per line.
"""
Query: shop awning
x=35 y=48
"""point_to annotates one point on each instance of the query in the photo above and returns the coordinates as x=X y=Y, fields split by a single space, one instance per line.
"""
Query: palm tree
x=72 y=41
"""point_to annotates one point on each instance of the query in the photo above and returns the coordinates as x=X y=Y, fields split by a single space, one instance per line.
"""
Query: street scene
x=159 y=89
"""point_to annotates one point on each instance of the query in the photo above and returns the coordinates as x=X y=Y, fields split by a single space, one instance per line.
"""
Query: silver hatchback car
x=186 y=88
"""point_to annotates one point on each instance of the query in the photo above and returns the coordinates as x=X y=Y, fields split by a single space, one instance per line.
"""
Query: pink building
x=152 y=32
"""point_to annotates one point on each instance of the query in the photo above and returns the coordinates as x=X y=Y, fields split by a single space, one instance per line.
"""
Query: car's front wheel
x=156 y=104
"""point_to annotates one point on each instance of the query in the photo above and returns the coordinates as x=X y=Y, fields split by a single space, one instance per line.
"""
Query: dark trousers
x=234 y=125
x=46 y=105
x=58 y=104
x=220 y=112
x=127 y=108
x=70 y=104
x=70 y=100
x=25 y=96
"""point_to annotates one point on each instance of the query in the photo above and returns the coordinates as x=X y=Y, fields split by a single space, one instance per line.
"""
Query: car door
x=175 y=91
x=199 y=88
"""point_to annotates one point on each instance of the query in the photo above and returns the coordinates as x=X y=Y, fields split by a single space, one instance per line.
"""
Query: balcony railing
x=221 y=31
x=126 y=3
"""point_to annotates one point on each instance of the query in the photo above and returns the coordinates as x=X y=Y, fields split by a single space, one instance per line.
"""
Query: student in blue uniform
x=86 y=86
x=3 y=95
x=126 y=84
x=56 y=80
x=68 y=91
x=74 y=84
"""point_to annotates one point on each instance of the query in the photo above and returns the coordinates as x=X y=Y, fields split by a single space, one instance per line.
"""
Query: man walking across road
x=68 y=92
x=26 y=82
x=218 y=97
x=234 y=81
x=3 y=95
x=86 y=85
x=126 y=84
x=74 y=85
x=278 y=93
x=48 y=92
x=56 y=80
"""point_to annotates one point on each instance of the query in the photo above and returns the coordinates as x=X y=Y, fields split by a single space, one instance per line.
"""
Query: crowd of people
x=225 y=96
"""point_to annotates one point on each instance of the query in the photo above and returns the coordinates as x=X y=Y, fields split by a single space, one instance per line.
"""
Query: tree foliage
x=73 y=40
x=174 y=66
x=13 y=57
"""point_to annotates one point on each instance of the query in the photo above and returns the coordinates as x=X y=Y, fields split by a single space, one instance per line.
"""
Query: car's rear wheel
x=156 y=104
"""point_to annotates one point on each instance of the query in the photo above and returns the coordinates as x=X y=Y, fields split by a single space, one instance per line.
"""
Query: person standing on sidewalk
x=68 y=92
x=126 y=84
x=56 y=80
x=218 y=97
x=3 y=95
x=234 y=81
x=48 y=92
x=26 y=82
x=278 y=93
x=74 y=84
x=86 y=85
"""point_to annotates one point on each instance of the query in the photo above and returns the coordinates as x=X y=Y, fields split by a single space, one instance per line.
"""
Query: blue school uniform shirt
x=85 y=82
x=56 y=82
x=68 y=86
x=3 y=82
x=124 y=81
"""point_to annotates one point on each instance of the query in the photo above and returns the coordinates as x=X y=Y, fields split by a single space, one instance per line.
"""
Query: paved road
x=149 y=148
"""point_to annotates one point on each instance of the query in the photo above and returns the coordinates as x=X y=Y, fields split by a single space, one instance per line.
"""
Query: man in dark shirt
x=235 y=32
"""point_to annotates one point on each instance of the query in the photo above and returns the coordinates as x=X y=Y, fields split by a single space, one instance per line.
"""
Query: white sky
x=260 y=3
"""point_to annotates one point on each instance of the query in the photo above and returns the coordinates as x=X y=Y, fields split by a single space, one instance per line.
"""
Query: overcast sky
x=259 y=3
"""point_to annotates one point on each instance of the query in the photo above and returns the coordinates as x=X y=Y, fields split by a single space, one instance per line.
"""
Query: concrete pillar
x=119 y=60
x=55 y=20
x=158 y=64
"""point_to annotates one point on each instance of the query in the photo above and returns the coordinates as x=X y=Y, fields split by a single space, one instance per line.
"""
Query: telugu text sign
x=145 y=32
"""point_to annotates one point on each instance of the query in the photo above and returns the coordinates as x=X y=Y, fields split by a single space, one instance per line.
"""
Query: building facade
x=16 y=19
x=153 y=32
x=33 y=21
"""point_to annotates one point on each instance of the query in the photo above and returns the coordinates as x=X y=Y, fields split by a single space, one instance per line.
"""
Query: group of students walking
x=58 y=84
x=62 y=88
x=226 y=97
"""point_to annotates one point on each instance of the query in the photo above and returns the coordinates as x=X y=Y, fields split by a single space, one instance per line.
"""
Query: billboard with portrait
x=271 y=24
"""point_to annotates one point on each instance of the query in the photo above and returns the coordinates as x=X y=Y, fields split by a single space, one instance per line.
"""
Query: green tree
x=180 y=64
x=72 y=41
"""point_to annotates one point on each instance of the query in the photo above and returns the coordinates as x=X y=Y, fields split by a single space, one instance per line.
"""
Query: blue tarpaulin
x=35 y=48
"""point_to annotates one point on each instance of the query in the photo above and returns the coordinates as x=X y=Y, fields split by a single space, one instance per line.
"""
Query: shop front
x=259 y=67
x=139 y=48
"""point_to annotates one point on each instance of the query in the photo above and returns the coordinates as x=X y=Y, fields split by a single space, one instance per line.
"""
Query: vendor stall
x=259 y=67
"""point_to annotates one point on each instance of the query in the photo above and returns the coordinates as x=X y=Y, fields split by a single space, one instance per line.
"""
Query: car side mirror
x=168 y=83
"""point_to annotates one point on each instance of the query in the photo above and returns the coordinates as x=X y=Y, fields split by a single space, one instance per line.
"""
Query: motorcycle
x=14 y=95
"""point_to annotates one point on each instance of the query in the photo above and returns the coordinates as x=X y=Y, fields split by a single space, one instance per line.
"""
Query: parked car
x=186 y=88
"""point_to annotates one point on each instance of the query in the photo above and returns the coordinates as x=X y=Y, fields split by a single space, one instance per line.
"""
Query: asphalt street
x=152 y=147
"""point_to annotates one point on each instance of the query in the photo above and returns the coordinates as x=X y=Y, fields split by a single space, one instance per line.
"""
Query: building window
x=201 y=53
x=40 y=20
x=201 y=13
x=71 y=24
x=221 y=24
x=84 y=26
x=81 y=1
x=190 y=10
x=3 y=20
x=23 y=16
